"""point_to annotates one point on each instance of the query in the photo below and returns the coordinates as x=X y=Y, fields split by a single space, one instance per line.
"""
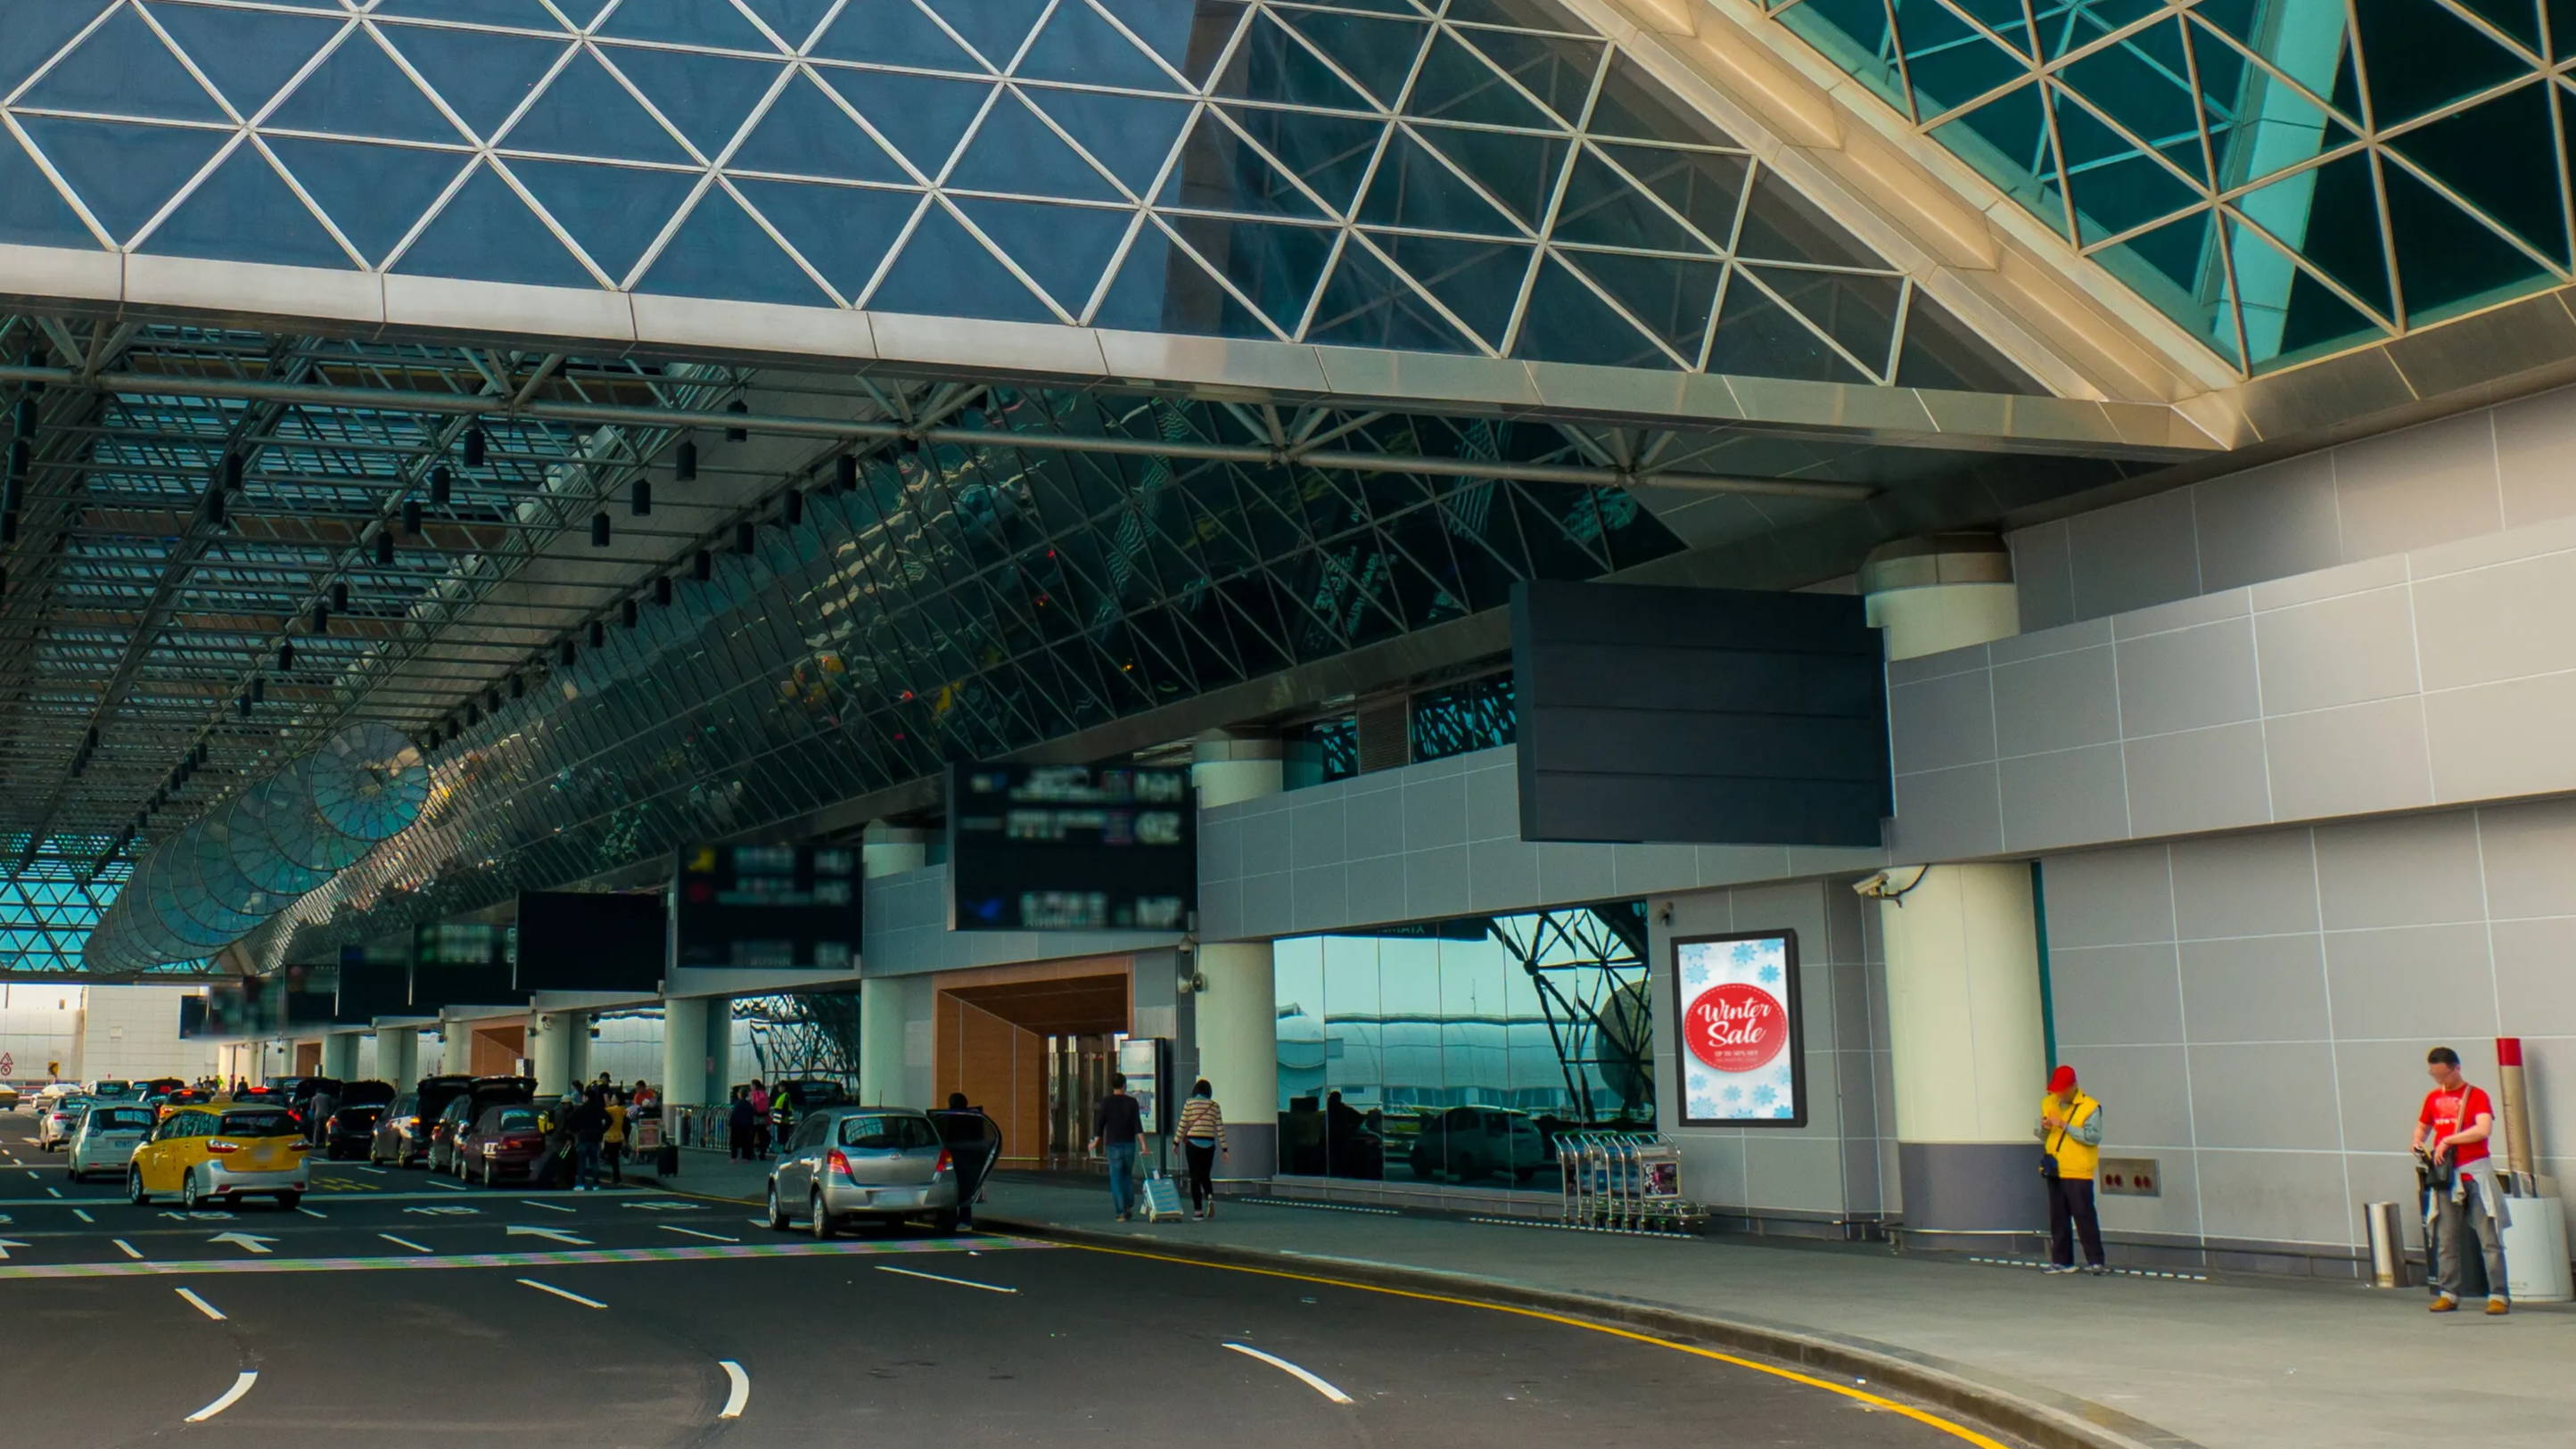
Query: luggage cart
x=1624 y=1182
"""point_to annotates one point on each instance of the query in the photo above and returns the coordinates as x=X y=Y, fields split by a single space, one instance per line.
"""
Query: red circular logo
x=1735 y=1027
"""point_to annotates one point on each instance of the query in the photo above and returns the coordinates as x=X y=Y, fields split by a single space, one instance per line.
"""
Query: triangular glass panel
x=485 y=233
x=1064 y=249
x=1189 y=35
x=2142 y=82
x=944 y=271
x=1079 y=47
x=1939 y=351
x=2320 y=322
x=1760 y=337
x=2519 y=19
x=1604 y=207
x=844 y=232
x=2486 y=155
x=1706 y=187
x=1162 y=288
x=1478 y=281
x=1378 y=52
x=2273 y=125
x=1857 y=37
x=483 y=77
x=1220 y=171
x=372 y=193
x=2424 y=57
x=1520 y=170
x=1568 y=322
x=806 y=133
x=721 y=252
x=122 y=173
x=585 y=112
x=923 y=116
x=1782 y=225
x=1856 y=311
x=2067 y=26
x=1635 y=104
x=1457 y=84
x=794 y=21
x=2177 y=268
x=614 y=212
x=1671 y=296
x=2328 y=215
x=684 y=22
x=1414 y=188
x=122 y=69
x=36 y=215
x=243 y=212
x=1950 y=62
x=248 y=54
x=2447 y=263
x=2287 y=311
x=1366 y=304
x=37 y=30
x=2008 y=142
x=525 y=14
x=707 y=96
x=2003 y=17
x=1270 y=64
x=2117 y=186
x=1554 y=68
x=1131 y=135
x=996 y=28
x=358 y=91
x=1330 y=153
x=894 y=32
x=1276 y=265
x=1015 y=151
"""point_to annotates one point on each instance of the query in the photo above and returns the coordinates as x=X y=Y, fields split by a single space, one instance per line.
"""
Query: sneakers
x=2444 y=1304
x=2055 y=1270
x=2099 y=1271
x=1122 y=1217
x=2498 y=1308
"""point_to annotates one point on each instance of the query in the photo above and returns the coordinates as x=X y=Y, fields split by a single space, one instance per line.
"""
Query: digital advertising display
x=1736 y=1012
x=1071 y=848
x=773 y=906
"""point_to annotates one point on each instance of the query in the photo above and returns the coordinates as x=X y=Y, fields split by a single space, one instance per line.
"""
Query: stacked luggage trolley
x=1625 y=1182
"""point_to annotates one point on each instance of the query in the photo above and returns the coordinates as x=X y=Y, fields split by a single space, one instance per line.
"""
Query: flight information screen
x=1071 y=848
x=773 y=906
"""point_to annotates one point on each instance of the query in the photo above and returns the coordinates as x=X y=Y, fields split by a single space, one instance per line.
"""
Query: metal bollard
x=2387 y=1245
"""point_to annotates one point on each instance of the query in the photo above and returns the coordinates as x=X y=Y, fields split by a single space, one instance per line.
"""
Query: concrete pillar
x=456 y=1051
x=684 y=1052
x=340 y=1055
x=1236 y=1009
x=1963 y=990
x=398 y=1056
x=553 y=1050
x=719 y=1048
x=881 y=1049
x=891 y=849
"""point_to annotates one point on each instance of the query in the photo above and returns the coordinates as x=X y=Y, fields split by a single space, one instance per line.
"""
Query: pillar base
x=1251 y=1152
x=1962 y=1195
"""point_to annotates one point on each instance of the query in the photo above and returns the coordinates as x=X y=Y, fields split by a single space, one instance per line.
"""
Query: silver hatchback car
x=106 y=1138
x=845 y=1164
x=57 y=1120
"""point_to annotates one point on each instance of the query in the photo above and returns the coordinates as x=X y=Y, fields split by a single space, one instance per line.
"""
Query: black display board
x=1713 y=716
x=587 y=941
x=462 y=963
x=769 y=906
x=192 y=1018
x=1071 y=848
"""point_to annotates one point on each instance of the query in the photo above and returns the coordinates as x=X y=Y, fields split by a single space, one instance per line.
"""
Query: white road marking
x=251 y=1241
x=1290 y=1369
x=231 y=1396
x=83 y=1215
x=556 y=1234
x=552 y=1207
x=378 y=1171
x=310 y=1213
x=208 y=1309
x=126 y=1247
x=741 y=1393
x=450 y=1186
x=403 y=1242
x=693 y=1232
x=560 y=1293
x=53 y=1192
x=935 y=1278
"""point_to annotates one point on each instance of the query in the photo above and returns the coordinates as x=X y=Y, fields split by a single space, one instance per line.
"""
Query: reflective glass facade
x=1455 y=1052
x=46 y=911
x=1484 y=177
x=2286 y=178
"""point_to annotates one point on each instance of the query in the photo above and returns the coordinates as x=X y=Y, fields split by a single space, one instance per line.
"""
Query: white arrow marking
x=935 y=1278
x=6 y=1244
x=1290 y=1369
x=446 y=1212
x=310 y=1213
x=741 y=1392
x=403 y=1242
x=575 y=1239
x=231 y=1396
x=206 y=1215
x=693 y=1232
x=253 y=1241
x=53 y=1192
x=208 y=1309
x=560 y=1293
x=125 y=1247
x=665 y=1205
x=80 y=1213
x=551 y=1207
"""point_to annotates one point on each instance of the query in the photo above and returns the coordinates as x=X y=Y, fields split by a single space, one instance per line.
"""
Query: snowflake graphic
x=1782 y=1111
x=1746 y=953
x=1765 y=1095
x=1733 y=1093
x=1703 y=1106
x=1769 y=976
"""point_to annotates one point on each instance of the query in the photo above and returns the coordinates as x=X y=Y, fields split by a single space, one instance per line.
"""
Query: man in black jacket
x=1119 y=1125
x=589 y=1128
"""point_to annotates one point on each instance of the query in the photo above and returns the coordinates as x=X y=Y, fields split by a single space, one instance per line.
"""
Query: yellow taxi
x=221 y=1152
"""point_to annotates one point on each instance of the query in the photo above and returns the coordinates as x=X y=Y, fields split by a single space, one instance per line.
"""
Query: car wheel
x=134 y=1192
x=491 y=1178
x=777 y=1215
x=188 y=1197
x=820 y=1218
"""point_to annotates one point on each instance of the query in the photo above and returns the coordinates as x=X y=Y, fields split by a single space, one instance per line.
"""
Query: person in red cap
x=2070 y=1136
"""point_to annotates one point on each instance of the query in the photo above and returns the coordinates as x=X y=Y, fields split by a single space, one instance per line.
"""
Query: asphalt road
x=396 y=1309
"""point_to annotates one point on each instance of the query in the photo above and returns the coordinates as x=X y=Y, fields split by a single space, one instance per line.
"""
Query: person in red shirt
x=2451 y=1132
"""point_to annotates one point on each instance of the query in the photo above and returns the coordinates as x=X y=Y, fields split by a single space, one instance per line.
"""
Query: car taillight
x=219 y=1146
x=944 y=1164
x=522 y=1141
x=839 y=1162
x=299 y=1145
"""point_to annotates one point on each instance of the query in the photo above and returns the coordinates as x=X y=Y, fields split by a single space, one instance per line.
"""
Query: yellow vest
x=2074 y=1158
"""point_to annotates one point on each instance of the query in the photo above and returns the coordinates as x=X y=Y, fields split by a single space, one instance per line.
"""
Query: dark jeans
x=1202 y=1173
x=614 y=1154
x=2070 y=1214
x=587 y=1158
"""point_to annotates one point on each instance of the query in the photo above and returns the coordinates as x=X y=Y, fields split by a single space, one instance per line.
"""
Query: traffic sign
x=8 y=1064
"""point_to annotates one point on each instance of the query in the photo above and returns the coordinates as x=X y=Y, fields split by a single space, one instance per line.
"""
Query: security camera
x=1872 y=887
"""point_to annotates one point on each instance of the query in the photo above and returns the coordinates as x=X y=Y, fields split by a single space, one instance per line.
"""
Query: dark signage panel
x=462 y=963
x=586 y=941
x=369 y=989
x=192 y=1018
x=1071 y=848
x=768 y=906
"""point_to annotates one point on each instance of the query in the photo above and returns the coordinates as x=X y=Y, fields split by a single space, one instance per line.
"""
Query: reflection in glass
x=1455 y=1052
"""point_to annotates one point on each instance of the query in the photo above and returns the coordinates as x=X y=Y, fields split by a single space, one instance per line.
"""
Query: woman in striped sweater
x=1201 y=1135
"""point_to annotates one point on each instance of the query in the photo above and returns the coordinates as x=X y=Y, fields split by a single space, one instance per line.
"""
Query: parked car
x=108 y=1089
x=178 y=1097
x=8 y=1098
x=106 y=1139
x=466 y=1109
x=508 y=1140
x=351 y=1127
x=221 y=1153
x=844 y=1164
x=56 y=1120
x=402 y=1137
x=1472 y=1144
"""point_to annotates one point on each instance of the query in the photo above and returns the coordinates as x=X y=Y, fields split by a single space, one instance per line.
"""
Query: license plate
x=897 y=1197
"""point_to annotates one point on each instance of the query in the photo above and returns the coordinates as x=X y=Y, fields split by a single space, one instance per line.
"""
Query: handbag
x=2048 y=1172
